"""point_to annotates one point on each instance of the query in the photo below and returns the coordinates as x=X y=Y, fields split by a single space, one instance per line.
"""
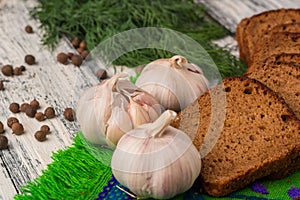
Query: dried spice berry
x=14 y=107
x=101 y=74
x=24 y=106
x=76 y=60
x=28 y=29
x=45 y=128
x=40 y=136
x=7 y=70
x=23 y=68
x=83 y=44
x=84 y=54
x=1 y=85
x=30 y=59
x=17 y=71
x=49 y=112
x=3 y=142
x=62 y=58
x=75 y=42
x=69 y=114
x=11 y=121
x=39 y=116
x=35 y=104
x=30 y=111
x=17 y=128
x=1 y=127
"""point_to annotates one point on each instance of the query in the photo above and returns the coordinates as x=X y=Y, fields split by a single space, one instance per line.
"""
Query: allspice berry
x=83 y=44
x=75 y=42
x=1 y=85
x=28 y=29
x=40 y=136
x=1 y=127
x=62 y=58
x=17 y=128
x=23 y=68
x=49 y=112
x=76 y=60
x=39 y=116
x=3 y=142
x=30 y=59
x=11 y=121
x=45 y=128
x=17 y=71
x=24 y=106
x=35 y=104
x=7 y=70
x=14 y=107
x=69 y=114
x=30 y=111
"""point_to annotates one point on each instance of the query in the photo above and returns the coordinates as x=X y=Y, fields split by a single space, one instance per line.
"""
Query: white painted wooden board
x=58 y=85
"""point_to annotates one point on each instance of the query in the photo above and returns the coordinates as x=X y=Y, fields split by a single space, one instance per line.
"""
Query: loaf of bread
x=250 y=30
x=292 y=58
x=259 y=135
x=278 y=42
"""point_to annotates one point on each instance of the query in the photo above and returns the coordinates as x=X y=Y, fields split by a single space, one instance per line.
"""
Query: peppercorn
x=83 y=44
x=28 y=29
x=7 y=70
x=35 y=104
x=24 y=106
x=62 y=58
x=11 y=121
x=3 y=142
x=1 y=127
x=30 y=111
x=70 y=54
x=39 y=116
x=17 y=128
x=69 y=114
x=75 y=42
x=30 y=59
x=23 y=68
x=101 y=74
x=84 y=54
x=1 y=85
x=49 y=113
x=45 y=129
x=40 y=136
x=76 y=60
x=14 y=107
x=17 y=71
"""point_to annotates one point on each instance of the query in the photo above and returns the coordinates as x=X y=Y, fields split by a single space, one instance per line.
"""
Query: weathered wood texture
x=59 y=86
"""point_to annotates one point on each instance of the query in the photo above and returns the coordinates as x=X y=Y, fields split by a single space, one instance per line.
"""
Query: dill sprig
x=97 y=20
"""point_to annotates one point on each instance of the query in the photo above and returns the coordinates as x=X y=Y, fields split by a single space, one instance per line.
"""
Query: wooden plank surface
x=59 y=86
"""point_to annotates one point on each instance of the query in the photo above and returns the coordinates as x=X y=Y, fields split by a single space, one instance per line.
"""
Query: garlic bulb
x=156 y=160
x=174 y=82
x=108 y=110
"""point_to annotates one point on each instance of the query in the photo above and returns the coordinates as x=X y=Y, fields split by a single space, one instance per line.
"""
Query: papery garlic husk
x=104 y=112
x=156 y=160
x=174 y=82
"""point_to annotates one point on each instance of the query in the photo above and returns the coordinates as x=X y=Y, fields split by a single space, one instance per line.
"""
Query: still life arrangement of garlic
x=156 y=160
x=151 y=158
x=109 y=110
x=174 y=82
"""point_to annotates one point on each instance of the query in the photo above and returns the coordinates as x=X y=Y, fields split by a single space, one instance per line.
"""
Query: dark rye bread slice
x=260 y=135
x=292 y=58
x=278 y=42
x=255 y=26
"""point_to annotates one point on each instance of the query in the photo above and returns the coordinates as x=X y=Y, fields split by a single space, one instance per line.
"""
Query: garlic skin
x=107 y=111
x=156 y=160
x=174 y=82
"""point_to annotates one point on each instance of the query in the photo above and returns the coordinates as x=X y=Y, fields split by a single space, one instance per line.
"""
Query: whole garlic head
x=107 y=111
x=174 y=82
x=156 y=160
